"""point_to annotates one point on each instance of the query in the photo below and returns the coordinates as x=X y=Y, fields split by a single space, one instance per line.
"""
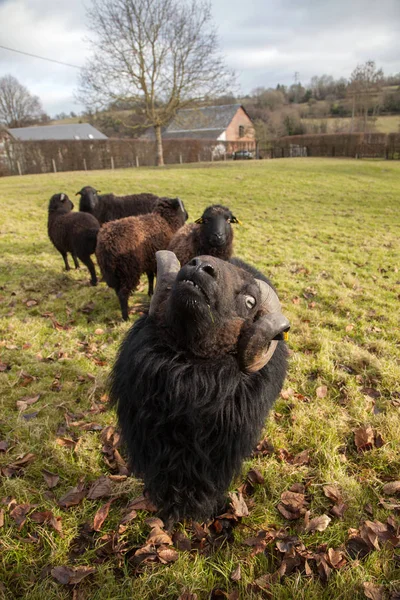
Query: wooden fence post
x=137 y=161
x=180 y=158
x=54 y=165
x=198 y=158
x=19 y=168
x=84 y=164
x=112 y=162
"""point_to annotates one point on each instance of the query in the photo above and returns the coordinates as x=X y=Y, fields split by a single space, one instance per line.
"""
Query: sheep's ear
x=79 y=193
x=199 y=221
x=235 y=220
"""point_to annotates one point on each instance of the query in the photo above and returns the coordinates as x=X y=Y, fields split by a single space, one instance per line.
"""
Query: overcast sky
x=265 y=41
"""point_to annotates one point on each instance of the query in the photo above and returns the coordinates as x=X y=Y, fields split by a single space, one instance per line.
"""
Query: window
x=241 y=130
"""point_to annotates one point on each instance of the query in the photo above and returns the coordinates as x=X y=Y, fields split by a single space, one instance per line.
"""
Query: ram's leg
x=75 y=258
x=87 y=261
x=65 y=257
x=123 y=295
x=150 y=278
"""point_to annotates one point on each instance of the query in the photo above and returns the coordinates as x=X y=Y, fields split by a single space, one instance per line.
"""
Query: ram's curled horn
x=259 y=342
x=181 y=205
x=167 y=269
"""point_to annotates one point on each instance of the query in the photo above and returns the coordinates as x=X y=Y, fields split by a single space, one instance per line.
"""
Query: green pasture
x=327 y=232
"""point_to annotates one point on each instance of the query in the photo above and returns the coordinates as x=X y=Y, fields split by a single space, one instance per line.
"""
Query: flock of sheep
x=125 y=232
x=195 y=377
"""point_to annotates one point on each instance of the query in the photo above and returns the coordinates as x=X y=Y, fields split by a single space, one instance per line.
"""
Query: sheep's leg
x=75 y=261
x=123 y=296
x=87 y=261
x=65 y=257
x=150 y=278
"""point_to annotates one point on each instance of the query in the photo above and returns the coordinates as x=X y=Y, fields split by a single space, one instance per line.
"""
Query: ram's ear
x=79 y=193
x=199 y=221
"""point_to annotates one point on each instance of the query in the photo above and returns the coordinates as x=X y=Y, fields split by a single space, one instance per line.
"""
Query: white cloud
x=266 y=41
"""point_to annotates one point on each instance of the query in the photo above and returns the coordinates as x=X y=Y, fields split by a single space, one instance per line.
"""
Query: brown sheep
x=126 y=248
x=211 y=234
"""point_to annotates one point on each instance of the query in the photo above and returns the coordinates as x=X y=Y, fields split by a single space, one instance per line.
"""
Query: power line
x=41 y=57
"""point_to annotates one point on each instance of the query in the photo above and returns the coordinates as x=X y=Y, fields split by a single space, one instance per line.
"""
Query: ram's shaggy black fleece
x=189 y=422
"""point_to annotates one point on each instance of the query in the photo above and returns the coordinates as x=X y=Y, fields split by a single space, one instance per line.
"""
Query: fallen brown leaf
x=364 y=438
x=66 y=442
x=158 y=536
x=1 y=517
x=391 y=488
x=50 y=478
x=318 y=524
x=238 y=505
x=47 y=517
x=236 y=574
x=101 y=488
x=333 y=493
x=71 y=575
x=19 y=514
x=373 y=591
x=291 y=505
x=254 y=476
x=101 y=515
x=142 y=503
x=321 y=391
x=336 y=558
x=167 y=555
x=73 y=497
x=303 y=458
x=27 y=401
x=3 y=446
x=188 y=596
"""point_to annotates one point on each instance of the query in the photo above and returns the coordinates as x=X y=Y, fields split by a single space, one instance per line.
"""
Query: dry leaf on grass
x=321 y=391
x=364 y=438
x=373 y=591
x=188 y=596
x=50 y=478
x=236 y=574
x=71 y=575
x=141 y=503
x=73 y=497
x=391 y=488
x=254 y=476
x=291 y=505
x=47 y=517
x=303 y=458
x=101 y=488
x=333 y=493
x=101 y=515
x=19 y=514
x=27 y=401
x=66 y=443
x=167 y=555
x=238 y=505
x=318 y=523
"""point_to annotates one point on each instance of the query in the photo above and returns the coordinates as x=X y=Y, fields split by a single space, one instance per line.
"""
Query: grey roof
x=70 y=131
x=204 y=134
x=211 y=118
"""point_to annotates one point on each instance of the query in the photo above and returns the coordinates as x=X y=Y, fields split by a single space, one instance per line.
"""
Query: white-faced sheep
x=211 y=234
x=72 y=232
x=195 y=378
x=127 y=248
x=109 y=207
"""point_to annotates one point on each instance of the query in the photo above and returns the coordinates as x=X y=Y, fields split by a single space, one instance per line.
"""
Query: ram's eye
x=250 y=302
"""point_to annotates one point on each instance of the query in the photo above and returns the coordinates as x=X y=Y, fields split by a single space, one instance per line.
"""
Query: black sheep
x=211 y=234
x=109 y=207
x=195 y=378
x=72 y=232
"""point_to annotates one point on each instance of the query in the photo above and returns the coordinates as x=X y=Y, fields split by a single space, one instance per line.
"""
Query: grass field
x=327 y=232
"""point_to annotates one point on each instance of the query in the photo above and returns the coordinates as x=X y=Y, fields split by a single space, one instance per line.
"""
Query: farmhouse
x=70 y=131
x=227 y=123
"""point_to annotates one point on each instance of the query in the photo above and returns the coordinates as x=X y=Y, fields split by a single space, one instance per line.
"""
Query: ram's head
x=89 y=199
x=215 y=222
x=212 y=308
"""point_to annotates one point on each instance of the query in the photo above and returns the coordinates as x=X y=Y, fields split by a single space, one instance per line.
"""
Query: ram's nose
x=203 y=265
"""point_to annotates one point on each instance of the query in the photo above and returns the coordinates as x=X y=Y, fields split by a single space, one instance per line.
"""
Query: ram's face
x=212 y=308
x=214 y=291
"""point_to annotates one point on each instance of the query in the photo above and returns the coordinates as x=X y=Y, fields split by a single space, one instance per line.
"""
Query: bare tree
x=162 y=54
x=18 y=107
x=365 y=88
